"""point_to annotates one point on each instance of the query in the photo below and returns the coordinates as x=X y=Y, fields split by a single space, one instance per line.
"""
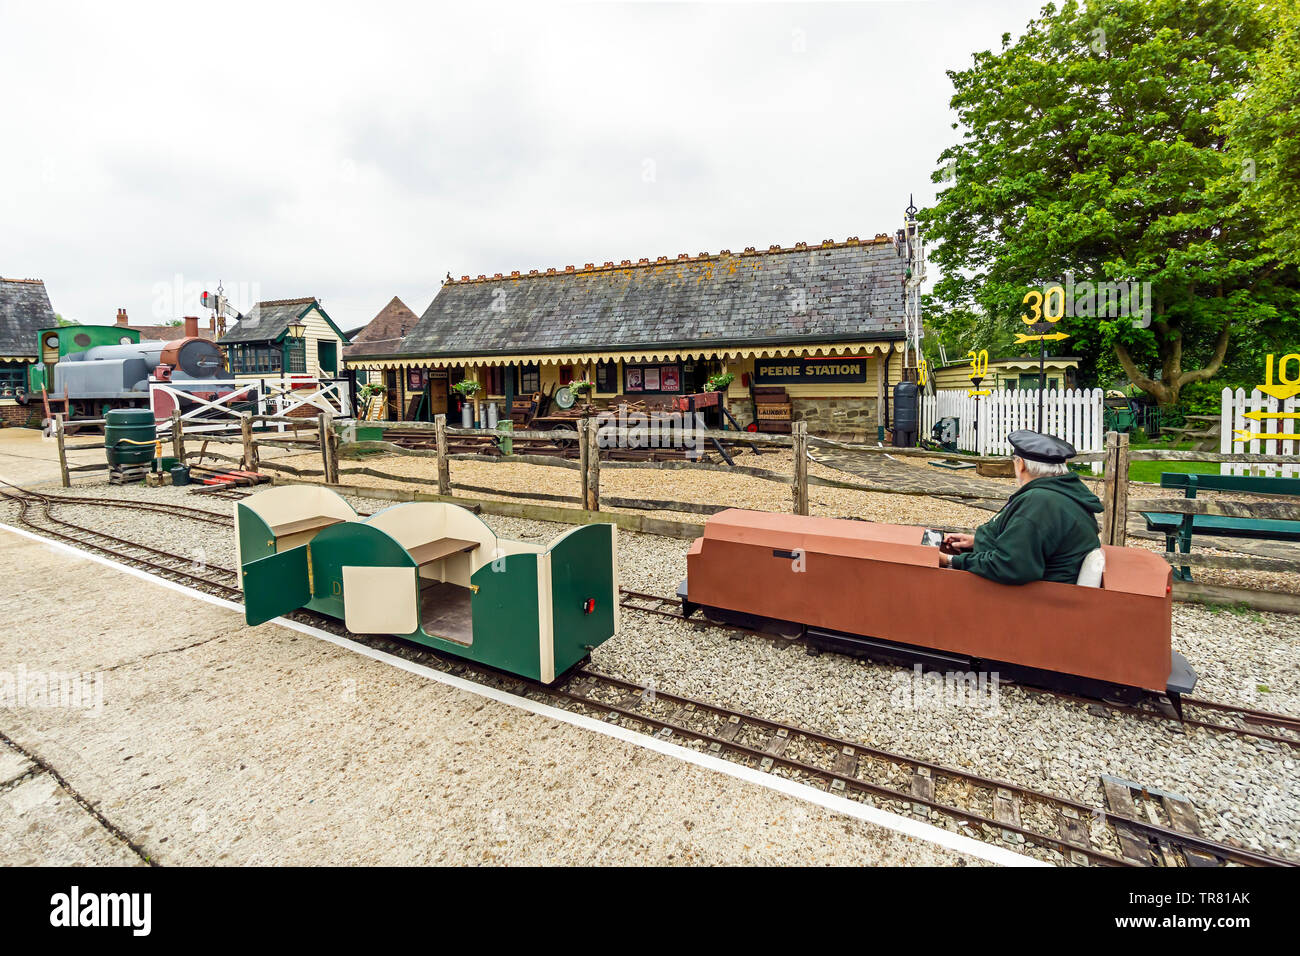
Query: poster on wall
x=652 y=380
x=669 y=381
x=415 y=379
x=634 y=380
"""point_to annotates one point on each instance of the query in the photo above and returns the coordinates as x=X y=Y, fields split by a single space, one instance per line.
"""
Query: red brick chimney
x=191 y=326
x=121 y=316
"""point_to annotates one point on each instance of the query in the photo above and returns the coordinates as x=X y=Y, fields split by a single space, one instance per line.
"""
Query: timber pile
x=224 y=477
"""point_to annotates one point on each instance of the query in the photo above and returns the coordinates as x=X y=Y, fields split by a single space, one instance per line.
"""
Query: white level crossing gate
x=1074 y=414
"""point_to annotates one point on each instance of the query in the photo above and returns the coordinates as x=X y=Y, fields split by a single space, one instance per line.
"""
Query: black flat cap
x=1032 y=446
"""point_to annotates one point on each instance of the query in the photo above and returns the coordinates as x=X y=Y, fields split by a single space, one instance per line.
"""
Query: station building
x=24 y=311
x=262 y=343
x=1021 y=371
x=823 y=321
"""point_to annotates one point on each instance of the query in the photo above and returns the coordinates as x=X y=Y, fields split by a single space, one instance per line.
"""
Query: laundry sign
x=809 y=371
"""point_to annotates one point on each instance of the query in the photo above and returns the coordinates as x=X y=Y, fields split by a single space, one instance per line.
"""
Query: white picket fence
x=985 y=421
x=1234 y=424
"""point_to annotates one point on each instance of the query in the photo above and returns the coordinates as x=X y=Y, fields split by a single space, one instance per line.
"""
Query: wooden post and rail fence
x=1113 y=487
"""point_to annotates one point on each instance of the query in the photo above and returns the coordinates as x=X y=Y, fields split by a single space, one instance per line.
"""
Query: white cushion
x=1091 y=570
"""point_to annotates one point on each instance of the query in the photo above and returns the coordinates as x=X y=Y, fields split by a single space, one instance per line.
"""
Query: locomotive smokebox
x=197 y=358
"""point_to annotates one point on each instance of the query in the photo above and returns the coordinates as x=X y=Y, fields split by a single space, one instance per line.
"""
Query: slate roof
x=832 y=292
x=383 y=334
x=267 y=321
x=24 y=310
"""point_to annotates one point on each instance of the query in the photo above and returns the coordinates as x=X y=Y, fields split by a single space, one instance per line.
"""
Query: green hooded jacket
x=1043 y=533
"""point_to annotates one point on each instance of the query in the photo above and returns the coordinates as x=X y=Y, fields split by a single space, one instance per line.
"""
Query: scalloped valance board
x=635 y=357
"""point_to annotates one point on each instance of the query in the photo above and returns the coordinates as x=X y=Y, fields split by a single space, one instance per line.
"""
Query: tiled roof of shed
x=24 y=310
x=835 y=291
x=266 y=321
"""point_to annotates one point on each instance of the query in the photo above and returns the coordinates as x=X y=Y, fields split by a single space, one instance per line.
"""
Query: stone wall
x=849 y=418
x=854 y=418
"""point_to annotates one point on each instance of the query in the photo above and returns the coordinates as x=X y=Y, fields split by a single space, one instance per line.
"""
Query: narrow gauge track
x=177 y=567
x=155 y=507
x=848 y=767
x=1261 y=725
x=1257 y=724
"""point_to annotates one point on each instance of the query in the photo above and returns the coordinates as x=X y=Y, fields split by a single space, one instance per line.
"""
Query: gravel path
x=1244 y=789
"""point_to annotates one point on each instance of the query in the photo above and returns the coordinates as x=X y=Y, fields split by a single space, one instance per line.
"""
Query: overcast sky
x=359 y=151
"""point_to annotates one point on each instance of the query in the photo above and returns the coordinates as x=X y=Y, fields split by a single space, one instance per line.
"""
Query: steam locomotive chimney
x=191 y=326
x=121 y=317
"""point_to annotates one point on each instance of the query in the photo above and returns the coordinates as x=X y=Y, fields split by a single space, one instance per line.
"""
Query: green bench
x=1179 y=529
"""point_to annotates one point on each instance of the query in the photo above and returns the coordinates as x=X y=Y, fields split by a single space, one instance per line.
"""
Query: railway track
x=987 y=808
x=1219 y=717
x=1245 y=722
x=1139 y=827
x=180 y=568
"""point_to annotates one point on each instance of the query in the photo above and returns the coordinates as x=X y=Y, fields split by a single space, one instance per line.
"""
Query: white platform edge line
x=851 y=808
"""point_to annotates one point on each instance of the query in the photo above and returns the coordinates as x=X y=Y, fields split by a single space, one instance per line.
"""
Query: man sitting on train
x=1046 y=528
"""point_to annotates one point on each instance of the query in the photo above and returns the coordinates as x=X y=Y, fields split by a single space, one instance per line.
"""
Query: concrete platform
x=220 y=743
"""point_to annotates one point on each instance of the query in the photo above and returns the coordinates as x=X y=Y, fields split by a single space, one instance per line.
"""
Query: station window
x=295 y=353
x=530 y=379
x=12 y=376
x=254 y=359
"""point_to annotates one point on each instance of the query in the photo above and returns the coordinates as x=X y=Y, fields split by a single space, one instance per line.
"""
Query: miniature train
x=431 y=573
x=876 y=590
x=103 y=367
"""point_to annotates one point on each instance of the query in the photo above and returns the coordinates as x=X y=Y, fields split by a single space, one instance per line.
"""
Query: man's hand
x=954 y=543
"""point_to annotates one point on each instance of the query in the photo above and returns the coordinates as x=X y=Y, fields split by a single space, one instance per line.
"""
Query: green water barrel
x=135 y=424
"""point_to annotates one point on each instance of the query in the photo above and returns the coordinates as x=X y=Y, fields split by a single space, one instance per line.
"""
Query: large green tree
x=1093 y=145
x=1264 y=133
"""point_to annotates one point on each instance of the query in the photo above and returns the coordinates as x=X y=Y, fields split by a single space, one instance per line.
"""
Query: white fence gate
x=984 y=421
x=275 y=396
x=1234 y=424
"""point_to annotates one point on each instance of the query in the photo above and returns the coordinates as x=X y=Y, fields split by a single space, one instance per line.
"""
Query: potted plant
x=720 y=382
x=581 y=387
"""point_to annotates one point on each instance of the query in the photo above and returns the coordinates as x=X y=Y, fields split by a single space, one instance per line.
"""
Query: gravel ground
x=702 y=487
x=1245 y=789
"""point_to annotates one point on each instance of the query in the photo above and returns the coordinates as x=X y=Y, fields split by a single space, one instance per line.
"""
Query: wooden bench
x=314 y=523
x=1179 y=529
x=438 y=549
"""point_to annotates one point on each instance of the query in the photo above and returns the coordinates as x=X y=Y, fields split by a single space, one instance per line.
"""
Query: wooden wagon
x=432 y=573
